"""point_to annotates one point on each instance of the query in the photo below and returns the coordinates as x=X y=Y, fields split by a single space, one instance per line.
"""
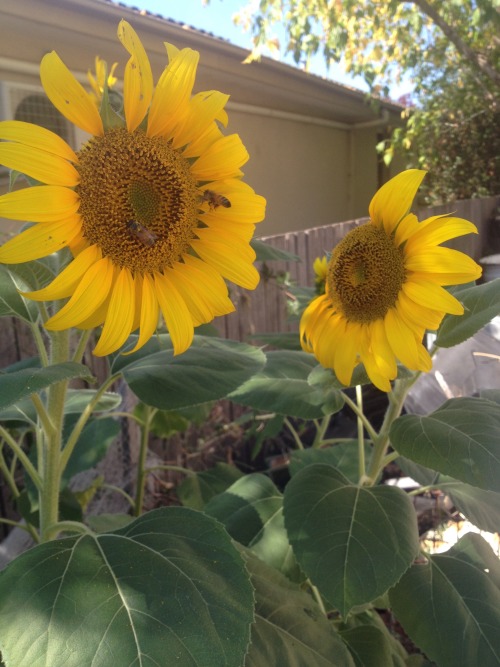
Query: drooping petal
x=172 y=93
x=382 y=351
x=120 y=315
x=66 y=282
x=138 y=79
x=29 y=134
x=432 y=296
x=346 y=356
x=92 y=290
x=39 y=241
x=221 y=160
x=210 y=284
x=42 y=203
x=231 y=266
x=149 y=313
x=239 y=247
x=417 y=316
x=44 y=167
x=175 y=313
x=394 y=199
x=69 y=96
x=200 y=310
x=401 y=339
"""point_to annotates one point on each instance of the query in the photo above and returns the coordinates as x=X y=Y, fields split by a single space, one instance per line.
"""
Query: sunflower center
x=365 y=274
x=138 y=200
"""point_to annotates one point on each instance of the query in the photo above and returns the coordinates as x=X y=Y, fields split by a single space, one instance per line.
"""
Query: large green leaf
x=450 y=607
x=482 y=304
x=266 y=252
x=353 y=542
x=167 y=589
x=197 y=489
x=283 y=387
x=92 y=445
x=251 y=509
x=343 y=456
x=209 y=370
x=289 y=629
x=18 y=384
x=371 y=647
x=481 y=508
x=459 y=439
x=76 y=402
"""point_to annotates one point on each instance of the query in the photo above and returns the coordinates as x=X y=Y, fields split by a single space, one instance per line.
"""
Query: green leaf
x=11 y=302
x=18 y=384
x=267 y=253
x=450 y=607
x=105 y=523
x=76 y=402
x=459 y=439
x=286 y=340
x=370 y=647
x=353 y=542
x=481 y=303
x=290 y=629
x=343 y=456
x=481 y=508
x=167 y=589
x=196 y=490
x=283 y=387
x=251 y=509
x=209 y=370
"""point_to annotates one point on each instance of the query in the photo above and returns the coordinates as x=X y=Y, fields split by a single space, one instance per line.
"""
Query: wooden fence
x=264 y=309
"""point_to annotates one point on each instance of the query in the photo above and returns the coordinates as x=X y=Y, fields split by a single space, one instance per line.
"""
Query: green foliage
x=449 y=49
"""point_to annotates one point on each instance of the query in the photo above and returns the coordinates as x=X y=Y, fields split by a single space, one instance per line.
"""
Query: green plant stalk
x=321 y=429
x=294 y=433
x=368 y=427
x=381 y=442
x=172 y=468
x=50 y=463
x=361 y=434
x=141 y=463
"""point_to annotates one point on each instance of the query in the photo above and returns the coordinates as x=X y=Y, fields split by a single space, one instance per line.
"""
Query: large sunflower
x=384 y=288
x=152 y=206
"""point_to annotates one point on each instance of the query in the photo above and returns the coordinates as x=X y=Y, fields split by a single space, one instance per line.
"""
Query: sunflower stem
x=294 y=433
x=321 y=429
x=22 y=456
x=49 y=464
x=141 y=463
x=382 y=442
x=361 y=433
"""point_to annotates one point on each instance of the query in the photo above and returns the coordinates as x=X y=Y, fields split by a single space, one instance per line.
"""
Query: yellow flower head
x=384 y=288
x=101 y=78
x=320 y=267
x=152 y=206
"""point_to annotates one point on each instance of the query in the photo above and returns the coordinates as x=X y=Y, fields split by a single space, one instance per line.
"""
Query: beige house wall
x=311 y=155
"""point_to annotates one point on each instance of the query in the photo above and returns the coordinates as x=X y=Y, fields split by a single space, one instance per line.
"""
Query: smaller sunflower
x=384 y=288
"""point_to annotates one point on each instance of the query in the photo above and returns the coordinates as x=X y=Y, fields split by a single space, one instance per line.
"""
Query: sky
x=216 y=17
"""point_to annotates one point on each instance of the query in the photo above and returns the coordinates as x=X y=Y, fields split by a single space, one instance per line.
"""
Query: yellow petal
x=239 y=247
x=447 y=278
x=200 y=310
x=443 y=260
x=219 y=226
x=69 y=96
x=66 y=282
x=45 y=167
x=408 y=226
x=172 y=93
x=246 y=207
x=232 y=267
x=175 y=313
x=394 y=199
x=91 y=292
x=433 y=296
x=381 y=351
x=39 y=241
x=120 y=315
x=328 y=338
x=37 y=137
x=436 y=230
x=201 y=112
x=211 y=135
x=346 y=356
x=402 y=340
x=210 y=284
x=42 y=203
x=149 y=313
x=416 y=315
x=138 y=79
x=221 y=160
